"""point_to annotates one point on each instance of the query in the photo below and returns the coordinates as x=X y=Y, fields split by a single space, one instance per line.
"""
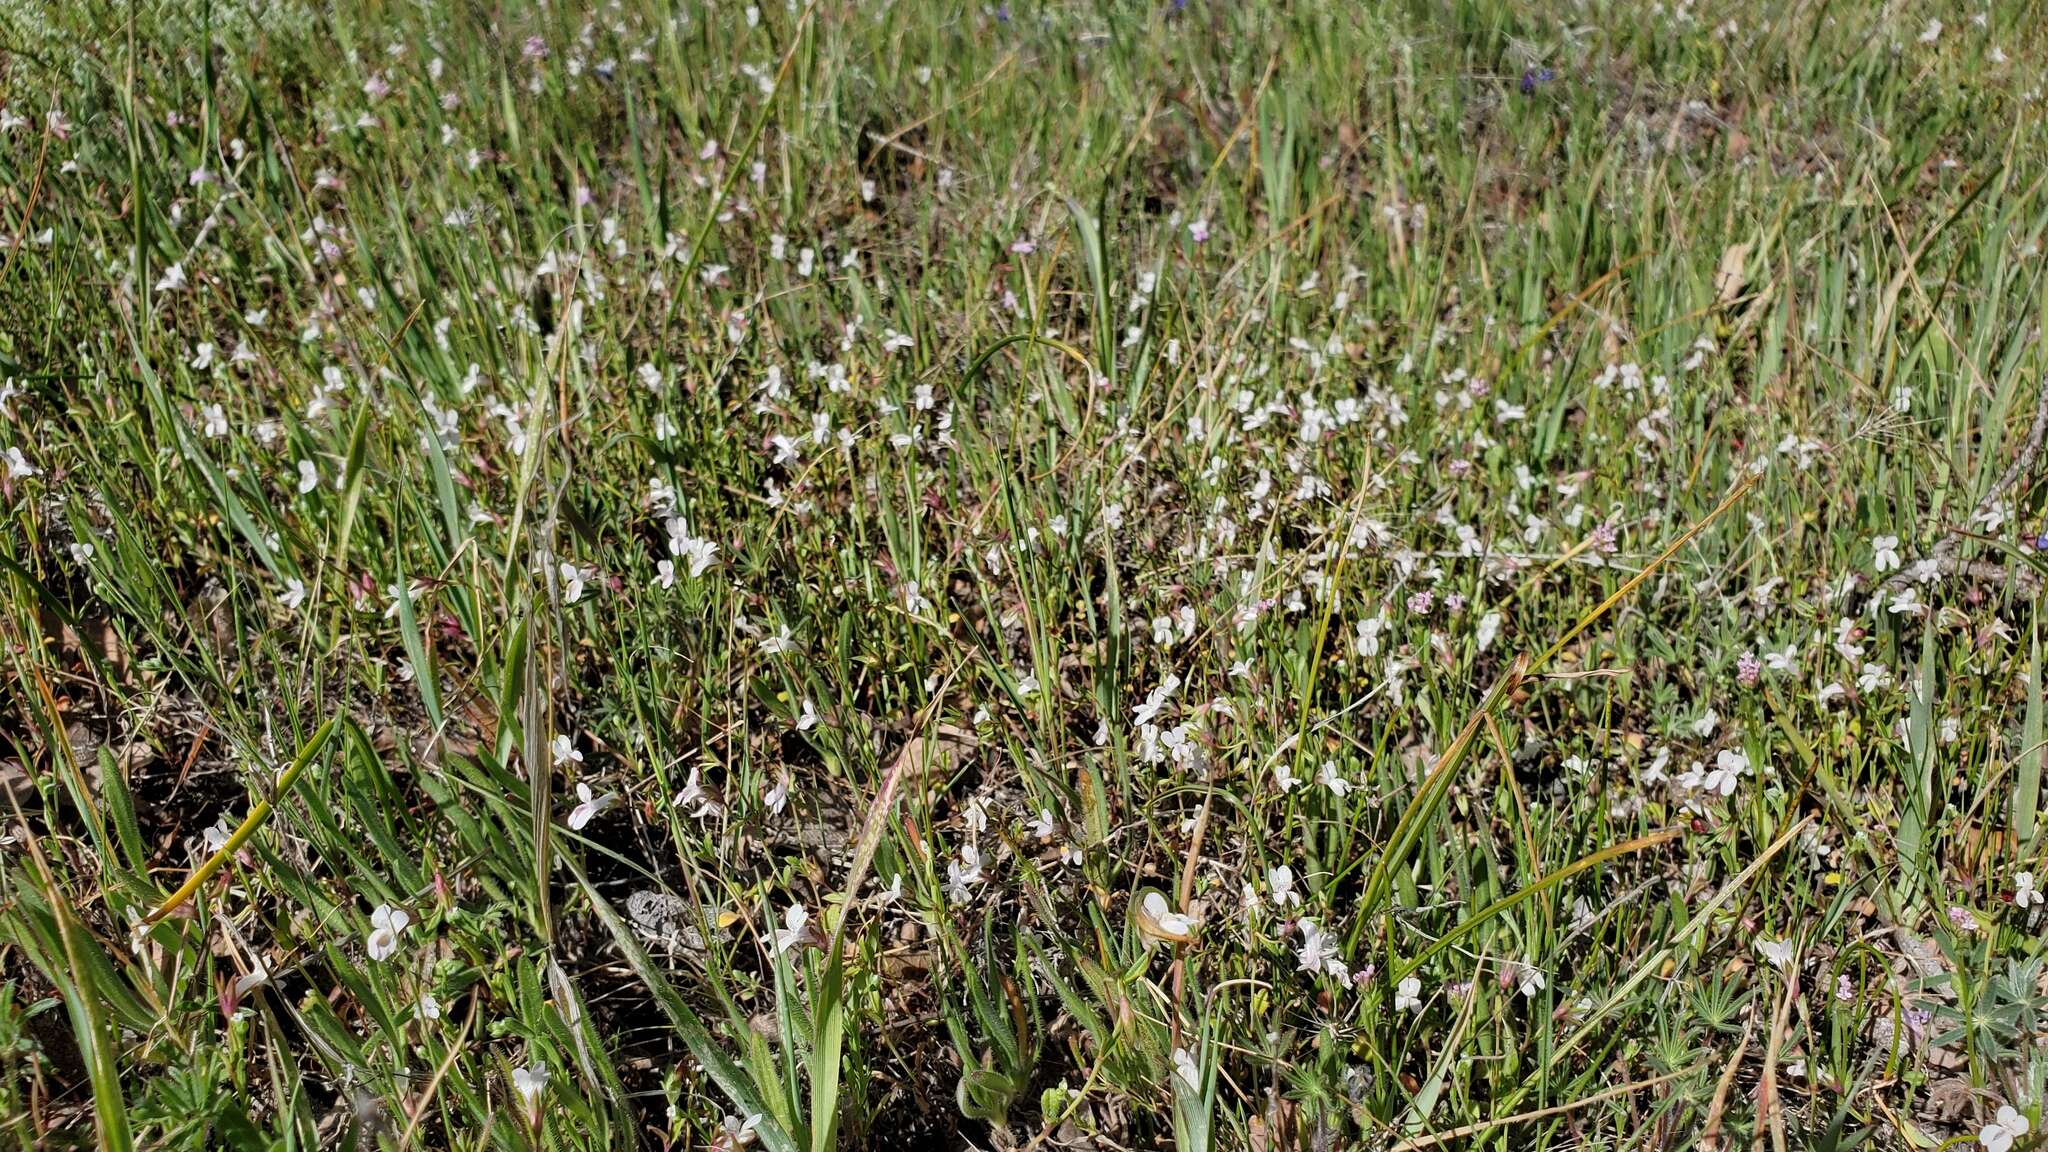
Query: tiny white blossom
x=1161 y=913
x=530 y=1082
x=2008 y=1126
x=914 y=601
x=1329 y=778
x=2024 y=894
x=739 y=1131
x=1281 y=880
x=963 y=872
x=794 y=920
x=588 y=806
x=1408 y=994
x=1318 y=950
x=385 y=925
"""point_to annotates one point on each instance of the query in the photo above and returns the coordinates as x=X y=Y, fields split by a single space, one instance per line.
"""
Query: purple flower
x=1536 y=77
x=1747 y=668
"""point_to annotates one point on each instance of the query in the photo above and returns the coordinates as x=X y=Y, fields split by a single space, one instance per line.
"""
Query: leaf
x=1094 y=805
x=259 y=813
x=353 y=477
x=416 y=650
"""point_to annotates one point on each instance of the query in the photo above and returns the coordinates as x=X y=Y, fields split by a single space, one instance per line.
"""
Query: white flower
x=664 y=573
x=1783 y=660
x=808 y=718
x=1184 y=1066
x=962 y=872
x=1489 y=628
x=172 y=279
x=18 y=467
x=1778 y=952
x=2009 y=1125
x=1329 y=778
x=572 y=582
x=1408 y=994
x=1885 y=553
x=1155 y=700
x=1043 y=827
x=1931 y=33
x=294 y=593
x=216 y=838
x=2024 y=893
x=699 y=552
x=1281 y=881
x=1318 y=950
x=309 y=477
x=913 y=600
x=1729 y=765
x=565 y=751
x=1170 y=923
x=693 y=796
x=588 y=806
x=1531 y=980
x=530 y=1082
x=795 y=919
x=777 y=796
x=430 y=1008
x=739 y=1132
x=385 y=925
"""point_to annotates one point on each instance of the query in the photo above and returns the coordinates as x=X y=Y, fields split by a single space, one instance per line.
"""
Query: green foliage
x=593 y=576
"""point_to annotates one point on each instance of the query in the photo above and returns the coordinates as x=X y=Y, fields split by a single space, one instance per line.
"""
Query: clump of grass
x=1043 y=577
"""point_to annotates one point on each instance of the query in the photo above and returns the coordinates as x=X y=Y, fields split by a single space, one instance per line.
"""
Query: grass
x=1049 y=576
